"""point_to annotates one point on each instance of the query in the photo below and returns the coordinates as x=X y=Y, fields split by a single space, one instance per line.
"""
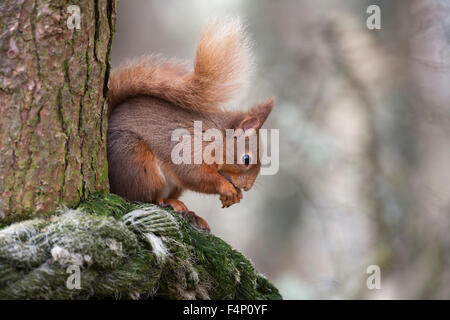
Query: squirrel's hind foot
x=180 y=208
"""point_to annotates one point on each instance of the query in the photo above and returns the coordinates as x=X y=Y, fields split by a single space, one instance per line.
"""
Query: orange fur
x=151 y=97
x=222 y=62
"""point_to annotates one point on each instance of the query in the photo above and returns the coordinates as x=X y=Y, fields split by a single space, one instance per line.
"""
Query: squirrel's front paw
x=230 y=195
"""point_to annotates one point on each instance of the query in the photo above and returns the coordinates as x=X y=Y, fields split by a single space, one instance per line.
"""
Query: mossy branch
x=122 y=250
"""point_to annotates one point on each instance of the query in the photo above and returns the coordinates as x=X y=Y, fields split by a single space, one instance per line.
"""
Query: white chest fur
x=169 y=185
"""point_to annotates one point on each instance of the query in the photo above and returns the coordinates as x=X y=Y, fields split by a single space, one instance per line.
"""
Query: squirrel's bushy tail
x=222 y=64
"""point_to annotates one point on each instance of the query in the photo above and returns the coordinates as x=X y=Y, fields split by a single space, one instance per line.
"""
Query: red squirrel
x=151 y=97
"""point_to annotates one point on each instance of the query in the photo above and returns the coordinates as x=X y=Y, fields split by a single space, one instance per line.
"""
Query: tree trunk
x=53 y=87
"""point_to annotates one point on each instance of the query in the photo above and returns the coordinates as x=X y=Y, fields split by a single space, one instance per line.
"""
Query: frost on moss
x=124 y=251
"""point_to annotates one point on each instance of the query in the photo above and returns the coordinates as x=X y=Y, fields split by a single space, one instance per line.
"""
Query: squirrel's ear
x=257 y=115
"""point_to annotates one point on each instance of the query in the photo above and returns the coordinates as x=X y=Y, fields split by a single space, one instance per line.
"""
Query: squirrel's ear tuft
x=257 y=115
x=263 y=109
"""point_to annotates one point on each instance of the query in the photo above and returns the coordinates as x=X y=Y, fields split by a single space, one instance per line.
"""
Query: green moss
x=104 y=174
x=124 y=250
x=8 y=220
x=106 y=204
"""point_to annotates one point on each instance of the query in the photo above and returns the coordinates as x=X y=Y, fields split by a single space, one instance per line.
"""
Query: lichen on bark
x=126 y=251
x=53 y=85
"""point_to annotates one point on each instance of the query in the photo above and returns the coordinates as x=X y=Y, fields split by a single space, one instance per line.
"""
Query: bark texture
x=53 y=85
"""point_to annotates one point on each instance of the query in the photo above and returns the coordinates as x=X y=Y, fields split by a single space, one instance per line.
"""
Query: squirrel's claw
x=200 y=221
x=231 y=197
x=180 y=208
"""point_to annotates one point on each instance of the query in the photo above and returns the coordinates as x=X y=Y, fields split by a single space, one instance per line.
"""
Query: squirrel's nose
x=246 y=188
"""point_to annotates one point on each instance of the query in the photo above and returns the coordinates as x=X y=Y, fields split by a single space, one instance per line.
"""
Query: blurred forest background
x=364 y=119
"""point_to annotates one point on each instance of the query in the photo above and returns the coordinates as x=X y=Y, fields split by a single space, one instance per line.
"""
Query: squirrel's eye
x=246 y=159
